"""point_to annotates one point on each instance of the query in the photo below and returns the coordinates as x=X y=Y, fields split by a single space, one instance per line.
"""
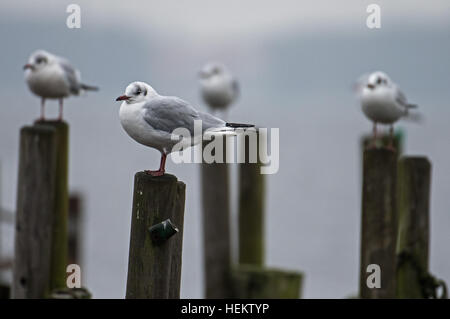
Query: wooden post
x=379 y=221
x=74 y=235
x=4 y=291
x=177 y=245
x=255 y=282
x=1 y=221
x=74 y=231
x=154 y=264
x=4 y=287
x=251 y=210
x=42 y=201
x=36 y=204
x=216 y=228
x=413 y=201
x=60 y=241
x=250 y=279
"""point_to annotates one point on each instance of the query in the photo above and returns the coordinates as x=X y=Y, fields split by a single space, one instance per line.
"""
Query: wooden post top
x=51 y=122
x=34 y=129
x=417 y=160
x=156 y=179
x=381 y=151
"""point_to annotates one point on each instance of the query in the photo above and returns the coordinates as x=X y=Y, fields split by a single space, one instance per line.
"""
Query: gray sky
x=200 y=18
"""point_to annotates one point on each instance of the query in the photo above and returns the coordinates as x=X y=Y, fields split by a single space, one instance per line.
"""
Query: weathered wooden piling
x=59 y=237
x=154 y=264
x=42 y=203
x=379 y=221
x=413 y=202
x=255 y=282
x=4 y=263
x=250 y=279
x=36 y=206
x=5 y=291
x=216 y=228
x=1 y=219
x=74 y=231
x=178 y=221
x=251 y=209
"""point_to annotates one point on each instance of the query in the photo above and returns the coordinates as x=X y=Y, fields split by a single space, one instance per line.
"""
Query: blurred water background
x=296 y=62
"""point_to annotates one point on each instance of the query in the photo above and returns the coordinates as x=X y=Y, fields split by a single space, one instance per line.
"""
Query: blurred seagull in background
x=150 y=119
x=219 y=88
x=383 y=102
x=53 y=77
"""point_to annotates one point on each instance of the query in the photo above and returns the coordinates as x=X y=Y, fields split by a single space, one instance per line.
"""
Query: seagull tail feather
x=415 y=117
x=89 y=87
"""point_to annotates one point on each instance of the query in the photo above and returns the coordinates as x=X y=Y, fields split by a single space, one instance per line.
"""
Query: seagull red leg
x=162 y=167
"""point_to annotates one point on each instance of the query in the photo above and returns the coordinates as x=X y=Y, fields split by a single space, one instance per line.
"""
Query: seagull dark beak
x=371 y=86
x=28 y=66
x=123 y=98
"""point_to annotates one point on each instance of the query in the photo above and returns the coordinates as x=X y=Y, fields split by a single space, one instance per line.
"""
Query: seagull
x=383 y=102
x=219 y=88
x=53 y=77
x=150 y=119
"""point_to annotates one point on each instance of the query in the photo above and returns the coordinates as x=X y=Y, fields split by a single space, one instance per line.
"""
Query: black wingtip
x=238 y=125
x=89 y=87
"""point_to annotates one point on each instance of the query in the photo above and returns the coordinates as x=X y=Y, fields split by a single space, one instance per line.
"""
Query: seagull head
x=212 y=70
x=137 y=92
x=38 y=60
x=378 y=79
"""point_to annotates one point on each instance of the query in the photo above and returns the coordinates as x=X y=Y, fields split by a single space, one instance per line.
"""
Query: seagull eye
x=138 y=92
x=379 y=81
x=40 y=60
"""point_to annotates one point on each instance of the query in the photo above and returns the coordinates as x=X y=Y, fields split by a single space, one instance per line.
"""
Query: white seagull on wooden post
x=383 y=103
x=150 y=119
x=219 y=88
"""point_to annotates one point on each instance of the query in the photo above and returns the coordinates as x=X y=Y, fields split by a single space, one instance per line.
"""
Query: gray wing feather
x=72 y=76
x=401 y=99
x=210 y=121
x=168 y=113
